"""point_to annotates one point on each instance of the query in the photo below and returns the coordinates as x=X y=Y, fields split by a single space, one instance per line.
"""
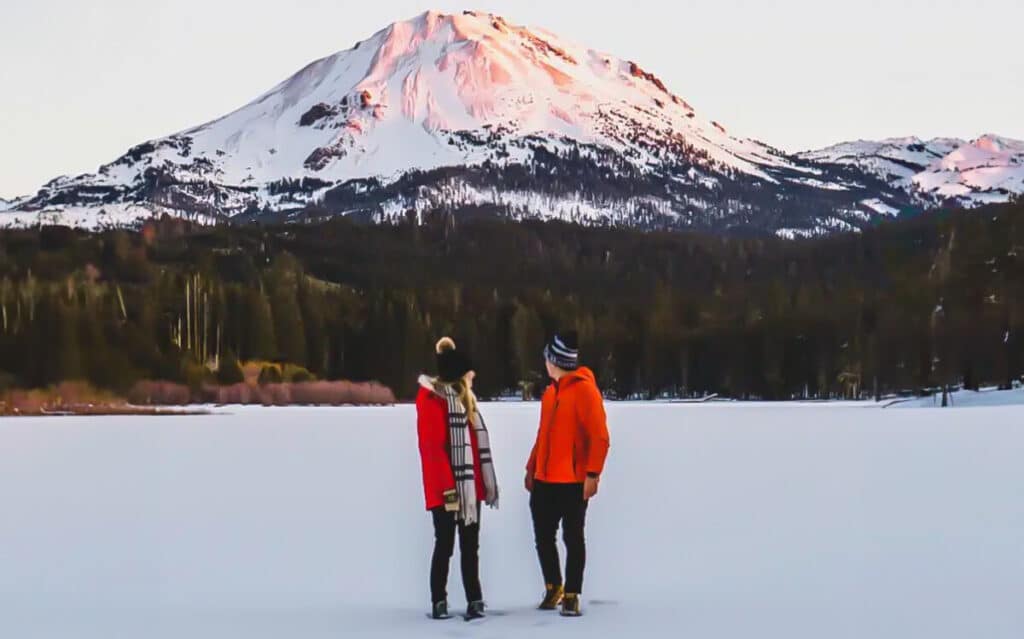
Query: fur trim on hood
x=427 y=382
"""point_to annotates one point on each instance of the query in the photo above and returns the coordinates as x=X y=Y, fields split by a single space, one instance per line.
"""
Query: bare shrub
x=23 y=402
x=81 y=398
x=251 y=372
x=75 y=393
x=340 y=393
x=315 y=393
x=159 y=393
x=376 y=393
x=240 y=393
x=277 y=394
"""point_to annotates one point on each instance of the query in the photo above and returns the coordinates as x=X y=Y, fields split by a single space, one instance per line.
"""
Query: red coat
x=432 y=427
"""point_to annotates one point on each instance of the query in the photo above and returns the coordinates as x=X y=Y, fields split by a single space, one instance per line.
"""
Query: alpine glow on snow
x=462 y=91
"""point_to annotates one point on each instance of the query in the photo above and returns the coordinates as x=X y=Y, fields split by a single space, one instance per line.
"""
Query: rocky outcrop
x=316 y=113
x=637 y=72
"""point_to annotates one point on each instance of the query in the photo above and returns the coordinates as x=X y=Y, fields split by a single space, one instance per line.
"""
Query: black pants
x=445 y=525
x=551 y=504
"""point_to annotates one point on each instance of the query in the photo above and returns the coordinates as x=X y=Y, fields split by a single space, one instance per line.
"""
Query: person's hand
x=589 y=487
x=529 y=482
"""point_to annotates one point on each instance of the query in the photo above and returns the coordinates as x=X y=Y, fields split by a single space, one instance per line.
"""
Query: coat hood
x=427 y=382
x=581 y=374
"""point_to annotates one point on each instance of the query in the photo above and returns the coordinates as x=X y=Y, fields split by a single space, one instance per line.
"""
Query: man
x=565 y=469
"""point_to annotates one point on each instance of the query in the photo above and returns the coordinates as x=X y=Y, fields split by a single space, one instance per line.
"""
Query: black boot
x=475 y=610
x=440 y=610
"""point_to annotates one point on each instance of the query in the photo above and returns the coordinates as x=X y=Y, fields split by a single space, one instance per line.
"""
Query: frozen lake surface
x=794 y=521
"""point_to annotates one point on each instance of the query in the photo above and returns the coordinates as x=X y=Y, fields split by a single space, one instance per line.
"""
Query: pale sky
x=81 y=82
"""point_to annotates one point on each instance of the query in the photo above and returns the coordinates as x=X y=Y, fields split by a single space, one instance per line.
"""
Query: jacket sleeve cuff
x=593 y=475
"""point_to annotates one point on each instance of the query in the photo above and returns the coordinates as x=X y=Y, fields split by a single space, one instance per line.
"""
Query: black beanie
x=452 y=364
x=563 y=351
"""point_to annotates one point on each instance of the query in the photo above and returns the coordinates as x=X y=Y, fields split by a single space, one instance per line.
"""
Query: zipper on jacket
x=551 y=426
x=551 y=422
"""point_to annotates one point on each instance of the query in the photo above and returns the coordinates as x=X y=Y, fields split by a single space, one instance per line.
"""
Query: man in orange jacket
x=565 y=469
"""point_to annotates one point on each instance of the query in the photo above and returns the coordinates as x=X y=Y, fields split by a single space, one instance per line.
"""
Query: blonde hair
x=466 y=396
x=463 y=387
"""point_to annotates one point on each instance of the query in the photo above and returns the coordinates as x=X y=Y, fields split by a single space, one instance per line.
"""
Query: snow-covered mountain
x=470 y=113
x=6 y=204
x=896 y=160
x=969 y=173
x=988 y=169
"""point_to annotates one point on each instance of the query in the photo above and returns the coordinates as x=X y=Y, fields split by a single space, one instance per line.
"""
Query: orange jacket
x=573 y=437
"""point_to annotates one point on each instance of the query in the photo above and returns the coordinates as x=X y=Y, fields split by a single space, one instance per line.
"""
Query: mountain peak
x=993 y=143
x=425 y=92
x=469 y=111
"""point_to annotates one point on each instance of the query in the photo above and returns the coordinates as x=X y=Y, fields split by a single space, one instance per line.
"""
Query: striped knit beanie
x=563 y=351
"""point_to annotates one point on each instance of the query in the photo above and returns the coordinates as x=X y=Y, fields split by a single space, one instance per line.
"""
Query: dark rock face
x=322 y=156
x=316 y=113
x=637 y=72
x=587 y=184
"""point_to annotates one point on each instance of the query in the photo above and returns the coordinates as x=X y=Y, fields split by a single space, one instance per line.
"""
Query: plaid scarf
x=460 y=452
x=483 y=441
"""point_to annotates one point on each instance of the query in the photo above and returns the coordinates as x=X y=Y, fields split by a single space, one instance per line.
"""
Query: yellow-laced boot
x=571 y=605
x=552 y=597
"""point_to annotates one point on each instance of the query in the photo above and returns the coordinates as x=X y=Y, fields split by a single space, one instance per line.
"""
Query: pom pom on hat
x=444 y=344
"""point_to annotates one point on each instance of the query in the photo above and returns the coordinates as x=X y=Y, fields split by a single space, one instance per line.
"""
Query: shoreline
x=104 y=411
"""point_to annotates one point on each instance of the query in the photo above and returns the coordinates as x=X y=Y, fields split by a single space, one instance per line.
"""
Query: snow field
x=713 y=520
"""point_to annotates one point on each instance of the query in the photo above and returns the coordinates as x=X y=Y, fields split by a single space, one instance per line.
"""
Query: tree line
x=905 y=306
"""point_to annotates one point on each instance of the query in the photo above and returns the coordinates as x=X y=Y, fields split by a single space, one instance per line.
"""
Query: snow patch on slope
x=878 y=206
x=91 y=218
x=579 y=208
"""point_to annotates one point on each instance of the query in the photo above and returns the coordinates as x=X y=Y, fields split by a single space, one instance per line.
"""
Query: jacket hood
x=427 y=382
x=581 y=374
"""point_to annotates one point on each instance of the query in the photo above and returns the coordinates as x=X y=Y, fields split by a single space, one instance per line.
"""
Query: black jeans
x=444 y=546
x=551 y=504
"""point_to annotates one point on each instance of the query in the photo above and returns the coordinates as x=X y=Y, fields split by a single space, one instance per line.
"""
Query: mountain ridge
x=469 y=111
x=986 y=169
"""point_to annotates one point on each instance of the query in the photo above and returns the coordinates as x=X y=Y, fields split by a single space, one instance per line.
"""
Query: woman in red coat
x=458 y=473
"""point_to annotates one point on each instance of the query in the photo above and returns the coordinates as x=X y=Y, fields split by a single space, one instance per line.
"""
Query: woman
x=458 y=473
